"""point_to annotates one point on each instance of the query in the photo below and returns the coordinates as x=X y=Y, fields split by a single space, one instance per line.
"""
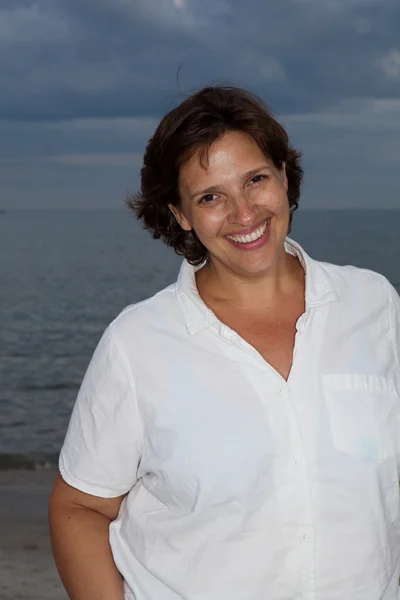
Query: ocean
x=64 y=275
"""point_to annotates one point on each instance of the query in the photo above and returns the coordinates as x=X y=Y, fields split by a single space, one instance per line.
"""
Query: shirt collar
x=198 y=316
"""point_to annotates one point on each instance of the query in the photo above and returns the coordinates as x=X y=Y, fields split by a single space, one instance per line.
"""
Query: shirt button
x=303 y=537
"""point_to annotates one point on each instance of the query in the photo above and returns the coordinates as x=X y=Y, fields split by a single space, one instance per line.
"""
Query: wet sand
x=27 y=570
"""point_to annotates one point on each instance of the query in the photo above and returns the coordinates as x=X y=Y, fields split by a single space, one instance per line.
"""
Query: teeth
x=252 y=237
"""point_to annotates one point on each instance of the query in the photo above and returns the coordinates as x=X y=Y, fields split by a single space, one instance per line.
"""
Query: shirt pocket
x=364 y=415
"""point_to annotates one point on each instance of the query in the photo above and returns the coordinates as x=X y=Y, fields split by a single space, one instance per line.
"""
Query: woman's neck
x=218 y=286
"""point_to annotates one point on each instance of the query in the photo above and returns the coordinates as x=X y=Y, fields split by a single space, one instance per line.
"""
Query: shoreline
x=27 y=569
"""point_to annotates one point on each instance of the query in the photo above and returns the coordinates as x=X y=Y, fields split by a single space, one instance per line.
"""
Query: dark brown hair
x=194 y=125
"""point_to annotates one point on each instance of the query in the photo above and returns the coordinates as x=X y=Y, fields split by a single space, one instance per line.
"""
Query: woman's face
x=237 y=205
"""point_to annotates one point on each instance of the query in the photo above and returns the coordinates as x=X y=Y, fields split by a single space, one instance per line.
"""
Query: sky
x=84 y=83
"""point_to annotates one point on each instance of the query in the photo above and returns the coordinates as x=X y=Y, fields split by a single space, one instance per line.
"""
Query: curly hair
x=194 y=126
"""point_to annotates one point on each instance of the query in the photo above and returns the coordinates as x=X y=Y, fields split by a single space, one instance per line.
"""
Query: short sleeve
x=102 y=447
x=394 y=307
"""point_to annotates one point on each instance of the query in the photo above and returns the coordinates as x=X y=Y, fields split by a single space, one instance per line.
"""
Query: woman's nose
x=242 y=211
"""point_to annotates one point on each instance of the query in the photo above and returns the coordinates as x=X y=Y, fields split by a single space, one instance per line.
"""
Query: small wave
x=34 y=355
x=55 y=387
x=15 y=462
x=14 y=424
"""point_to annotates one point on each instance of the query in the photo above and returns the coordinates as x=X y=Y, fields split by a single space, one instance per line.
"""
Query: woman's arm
x=79 y=531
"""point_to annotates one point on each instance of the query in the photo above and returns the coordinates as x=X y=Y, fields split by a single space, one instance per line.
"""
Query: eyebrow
x=214 y=188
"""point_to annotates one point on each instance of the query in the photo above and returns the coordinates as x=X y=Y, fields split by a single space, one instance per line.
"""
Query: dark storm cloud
x=62 y=59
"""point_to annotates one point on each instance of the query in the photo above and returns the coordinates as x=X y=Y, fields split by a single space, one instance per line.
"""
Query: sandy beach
x=27 y=570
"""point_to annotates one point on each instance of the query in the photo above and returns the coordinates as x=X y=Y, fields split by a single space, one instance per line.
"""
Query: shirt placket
x=302 y=500
x=296 y=396
x=303 y=404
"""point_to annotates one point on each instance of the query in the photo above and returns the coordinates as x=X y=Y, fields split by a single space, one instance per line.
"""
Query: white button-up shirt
x=240 y=485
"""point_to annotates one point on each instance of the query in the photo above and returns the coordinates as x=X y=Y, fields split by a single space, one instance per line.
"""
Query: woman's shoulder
x=349 y=281
x=148 y=317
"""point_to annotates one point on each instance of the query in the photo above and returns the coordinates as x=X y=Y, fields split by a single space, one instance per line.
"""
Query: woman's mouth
x=253 y=240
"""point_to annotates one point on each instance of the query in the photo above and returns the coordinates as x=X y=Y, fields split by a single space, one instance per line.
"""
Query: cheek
x=275 y=198
x=209 y=224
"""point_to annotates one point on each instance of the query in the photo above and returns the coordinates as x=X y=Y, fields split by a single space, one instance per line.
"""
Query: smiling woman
x=189 y=132
x=237 y=433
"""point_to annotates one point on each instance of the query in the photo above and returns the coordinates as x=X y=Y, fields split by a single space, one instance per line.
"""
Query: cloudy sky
x=84 y=82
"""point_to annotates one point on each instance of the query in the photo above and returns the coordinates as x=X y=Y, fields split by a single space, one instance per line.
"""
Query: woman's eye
x=257 y=179
x=208 y=198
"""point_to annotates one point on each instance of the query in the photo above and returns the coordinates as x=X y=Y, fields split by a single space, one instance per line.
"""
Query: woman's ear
x=180 y=217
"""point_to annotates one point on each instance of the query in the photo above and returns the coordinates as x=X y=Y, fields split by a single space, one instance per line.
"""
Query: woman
x=237 y=436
